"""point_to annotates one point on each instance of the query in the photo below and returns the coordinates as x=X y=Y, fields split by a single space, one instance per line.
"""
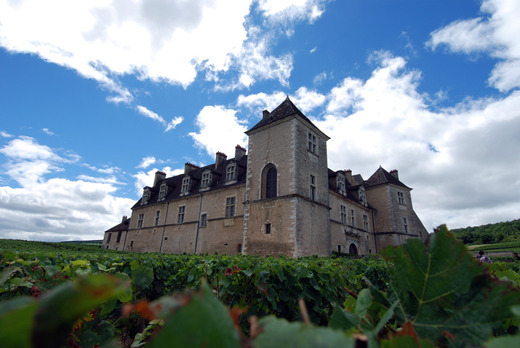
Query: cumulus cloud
x=54 y=209
x=146 y=162
x=152 y=115
x=452 y=157
x=495 y=33
x=291 y=10
x=218 y=130
x=143 y=179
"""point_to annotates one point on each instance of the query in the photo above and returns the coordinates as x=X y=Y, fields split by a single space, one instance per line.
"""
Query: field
x=61 y=294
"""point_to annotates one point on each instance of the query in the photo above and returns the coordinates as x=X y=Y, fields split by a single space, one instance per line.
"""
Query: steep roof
x=123 y=226
x=285 y=109
x=174 y=183
x=381 y=177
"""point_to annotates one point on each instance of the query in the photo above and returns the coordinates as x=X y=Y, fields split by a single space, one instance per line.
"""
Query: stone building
x=278 y=199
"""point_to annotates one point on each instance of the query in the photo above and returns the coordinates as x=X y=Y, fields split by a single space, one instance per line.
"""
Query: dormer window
x=163 y=190
x=231 y=171
x=312 y=143
x=186 y=185
x=146 y=195
x=340 y=183
x=206 y=179
x=362 y=196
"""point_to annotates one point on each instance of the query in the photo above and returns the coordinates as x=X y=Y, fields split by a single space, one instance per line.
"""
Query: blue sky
x=95 y=96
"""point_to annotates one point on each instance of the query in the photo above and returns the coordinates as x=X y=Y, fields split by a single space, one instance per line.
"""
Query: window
x=180 y=214
x=186 y=184
x=311 y=143
x=312 y=193
x=119 y=236
x=109 y=237
x=268 y=228
x=352 y=217
x=339 y=248
x=163 y=190
x=157 y=216
x=365 y=222
x=270 y=182
x=239 y=248
x=231 y=171
x=206 y=179
x=131 y=244
x=362 y=196
x=230 y=207
x=405 y=224
x=146 y=195
x=203 y=220
x=400 y=197
x=343 y=214
x=140 y=221
x=340 y=182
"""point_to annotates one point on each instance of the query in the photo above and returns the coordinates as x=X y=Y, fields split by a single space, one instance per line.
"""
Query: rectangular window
x=312 y=193
x=365 y=222
x=186 y=184
x=180 y=214
x=352 y=217
x=119 y=236
x=230 y=207
x=231 y=173
x=131 y=244
x=343 y=214
x=109 y=237
x=339 y=248
x=203 y=220
x=311 y=143
x=206 y=179
x=400 y=197
x=140 y=221
x=267 y=228
x=157 y=216
x=239 y=248
x=405 y=224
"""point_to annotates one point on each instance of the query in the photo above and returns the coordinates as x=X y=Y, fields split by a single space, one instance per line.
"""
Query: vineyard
x=436 y=295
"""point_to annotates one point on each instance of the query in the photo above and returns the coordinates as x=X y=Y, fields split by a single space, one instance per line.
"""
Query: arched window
x=352 y=250
x=269 y=181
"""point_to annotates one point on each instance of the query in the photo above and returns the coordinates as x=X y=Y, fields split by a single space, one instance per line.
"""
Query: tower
x=287 y=197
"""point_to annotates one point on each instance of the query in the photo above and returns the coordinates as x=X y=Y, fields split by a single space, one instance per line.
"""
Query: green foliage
x=434 y=295
x=490 y=233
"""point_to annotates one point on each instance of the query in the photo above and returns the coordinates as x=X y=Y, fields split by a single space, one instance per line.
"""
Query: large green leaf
x=445 y=293
x=281 y=333
x=203 y=322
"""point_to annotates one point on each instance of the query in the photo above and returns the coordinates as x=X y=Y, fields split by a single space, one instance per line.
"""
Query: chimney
x=395 y=173
x=219 y=158
x=124 y=218
x=158 y=177
x=188 y=167
x=348 y=175
x=266 y=114
x=239 y=152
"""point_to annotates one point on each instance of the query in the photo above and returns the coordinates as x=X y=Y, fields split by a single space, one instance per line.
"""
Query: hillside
x=491 y=233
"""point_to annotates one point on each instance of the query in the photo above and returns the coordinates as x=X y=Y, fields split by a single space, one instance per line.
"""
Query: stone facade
x=279 y=199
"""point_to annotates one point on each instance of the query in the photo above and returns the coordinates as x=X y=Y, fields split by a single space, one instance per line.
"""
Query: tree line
x=501 y=232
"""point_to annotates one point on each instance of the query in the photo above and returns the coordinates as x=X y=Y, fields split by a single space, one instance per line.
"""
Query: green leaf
x=343 y=320
x=63 y=305
x=203 y=322
x=281 y=333
x=16 y=321
x=445 y=293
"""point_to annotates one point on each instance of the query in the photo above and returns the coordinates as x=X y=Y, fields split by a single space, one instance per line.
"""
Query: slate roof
x=285 y=109
x=123 y=226
x=218 y=181
x=381 y=177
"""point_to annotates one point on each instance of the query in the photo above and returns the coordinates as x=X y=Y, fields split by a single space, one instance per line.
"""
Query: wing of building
x=278 y=199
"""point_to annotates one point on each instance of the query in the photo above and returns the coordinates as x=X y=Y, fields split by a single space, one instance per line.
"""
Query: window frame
x=343 y=214
x=312 y=142
x=231 y=172
x=157 y=217
x=400 y=197
x=181 y=211
x=203 y=220
x=230 y=207
x=206 y=179
x=312 y=187
x=140 y=220
x=186 y=184
x=163 y=191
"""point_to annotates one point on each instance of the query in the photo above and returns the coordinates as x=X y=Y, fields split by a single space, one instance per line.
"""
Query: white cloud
x=143 y=179
x=292 y=10
x=494 y=33
x=462 y=161
x=146 y=162
x=54 y=209
x=152 y=115
x=4 y=134
x=219 y=130
x=47 y=131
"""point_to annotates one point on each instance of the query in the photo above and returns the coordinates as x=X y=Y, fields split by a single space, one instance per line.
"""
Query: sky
x=97 y=95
